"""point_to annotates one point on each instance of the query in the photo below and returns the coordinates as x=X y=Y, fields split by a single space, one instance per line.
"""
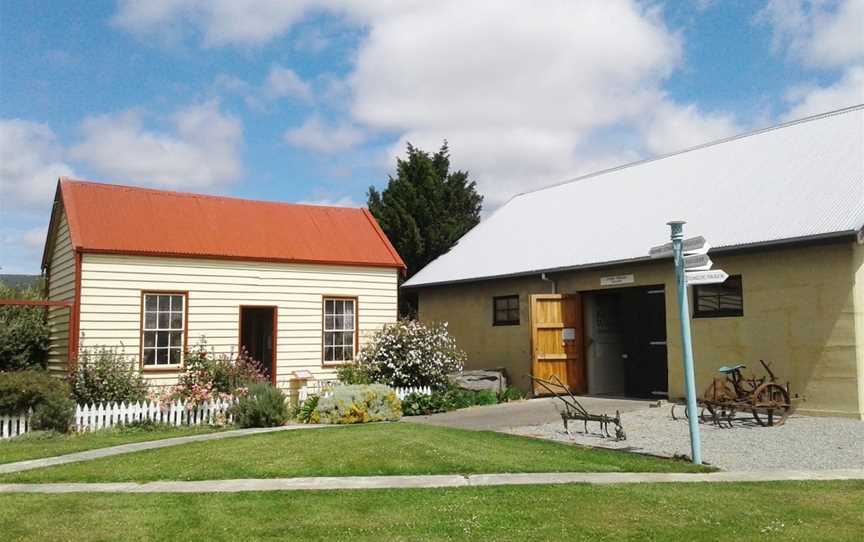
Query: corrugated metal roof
x=798 y=180
x=129 y=220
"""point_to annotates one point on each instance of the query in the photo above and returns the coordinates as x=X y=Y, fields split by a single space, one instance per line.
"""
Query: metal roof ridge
x=712 y=143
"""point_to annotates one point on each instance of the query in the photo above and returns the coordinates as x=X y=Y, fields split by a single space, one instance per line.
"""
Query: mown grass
x=375 y=449
x=44 y=444
x=788 y=511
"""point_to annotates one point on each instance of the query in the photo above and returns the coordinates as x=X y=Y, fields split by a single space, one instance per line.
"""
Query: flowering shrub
x=263 y=406
x=408 y=354
x=358 y=404
x=208 y=376
x=104 y=375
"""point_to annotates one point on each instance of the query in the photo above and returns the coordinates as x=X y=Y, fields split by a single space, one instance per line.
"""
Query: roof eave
x=642 y=259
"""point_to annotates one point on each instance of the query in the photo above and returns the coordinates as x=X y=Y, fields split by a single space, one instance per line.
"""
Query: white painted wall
x=61 y=287
x=111 y=288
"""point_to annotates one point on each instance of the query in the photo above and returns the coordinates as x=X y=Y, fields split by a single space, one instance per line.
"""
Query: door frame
x=275 y=309
x=651 y=289
x=571 y=368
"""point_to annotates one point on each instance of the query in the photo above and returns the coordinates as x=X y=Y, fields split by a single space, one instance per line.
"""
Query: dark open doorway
x=625 y=341
x=258 y=336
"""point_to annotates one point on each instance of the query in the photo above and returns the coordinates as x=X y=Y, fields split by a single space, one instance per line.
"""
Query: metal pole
x=677 y=227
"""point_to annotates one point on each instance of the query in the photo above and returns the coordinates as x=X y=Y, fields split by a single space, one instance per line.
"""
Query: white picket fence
x=103 y=416
x=323 y=387
x=12 y=426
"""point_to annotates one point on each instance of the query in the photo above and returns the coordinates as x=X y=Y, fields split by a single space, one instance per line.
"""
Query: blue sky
x=312 y=100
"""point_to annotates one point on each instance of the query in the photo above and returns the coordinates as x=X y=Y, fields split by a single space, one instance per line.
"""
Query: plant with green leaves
x=409 y=354
x=47 y=396
x=262 y=406
x=104 y=375
x=23 y=330
x=424 y=210
x=358 y=404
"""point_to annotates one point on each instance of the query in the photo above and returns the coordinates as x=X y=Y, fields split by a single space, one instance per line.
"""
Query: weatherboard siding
x=111 y=287
x=61 y=287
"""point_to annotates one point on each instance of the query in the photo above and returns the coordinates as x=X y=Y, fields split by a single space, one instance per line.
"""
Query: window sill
x=720 y=315
x=335 y=364
x=161 y=368
x=499 y=324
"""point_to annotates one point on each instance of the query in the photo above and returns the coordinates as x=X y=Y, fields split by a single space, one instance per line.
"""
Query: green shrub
x=263 y=406
x=54 y=413
x=508 y=395
x=104 y=375
x=307 y=411
x=453 y=398
x=358 y=404
x=23 y=331
x=353 y=373
x=46 y=395
x=410 y=354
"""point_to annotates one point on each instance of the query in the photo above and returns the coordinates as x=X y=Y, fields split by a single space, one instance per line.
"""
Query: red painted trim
x=162 y=368
x=75 y=324
x=36 y=303
x=389 y=265
x=273 y=356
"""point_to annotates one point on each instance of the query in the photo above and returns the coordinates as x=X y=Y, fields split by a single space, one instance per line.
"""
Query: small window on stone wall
x=719 y=300
x=505 y=310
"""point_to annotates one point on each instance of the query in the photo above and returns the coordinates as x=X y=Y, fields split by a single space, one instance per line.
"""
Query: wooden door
x=557 y=340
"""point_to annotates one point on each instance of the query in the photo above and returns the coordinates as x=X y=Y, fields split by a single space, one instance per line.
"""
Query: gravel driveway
x=801 y=443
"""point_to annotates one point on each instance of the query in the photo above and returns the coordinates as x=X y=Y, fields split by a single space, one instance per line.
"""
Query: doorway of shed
x=257 y=336
x=625 y=341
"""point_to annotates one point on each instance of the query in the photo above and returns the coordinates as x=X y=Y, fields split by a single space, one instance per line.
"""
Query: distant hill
x=19 y=282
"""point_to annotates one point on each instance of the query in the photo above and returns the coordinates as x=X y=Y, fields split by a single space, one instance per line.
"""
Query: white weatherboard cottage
x=151 y=272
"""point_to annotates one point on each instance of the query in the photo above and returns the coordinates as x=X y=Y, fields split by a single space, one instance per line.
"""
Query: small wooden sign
x=615 y=280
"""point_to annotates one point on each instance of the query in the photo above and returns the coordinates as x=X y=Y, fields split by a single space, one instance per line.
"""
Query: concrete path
x=521 y=413
x=140 y=446
x=430 y=481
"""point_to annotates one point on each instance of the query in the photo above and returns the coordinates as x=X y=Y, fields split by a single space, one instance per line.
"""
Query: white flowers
x=408 y=354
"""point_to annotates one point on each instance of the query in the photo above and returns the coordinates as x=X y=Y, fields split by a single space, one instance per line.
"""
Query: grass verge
x=373 y=449
x=45 y=444
x=788 y=511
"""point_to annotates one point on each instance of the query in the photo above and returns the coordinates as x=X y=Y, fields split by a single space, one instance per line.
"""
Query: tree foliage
x=426 y=207
x=23 y=330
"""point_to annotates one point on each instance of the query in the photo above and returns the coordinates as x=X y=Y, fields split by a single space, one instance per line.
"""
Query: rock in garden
x=477 y=380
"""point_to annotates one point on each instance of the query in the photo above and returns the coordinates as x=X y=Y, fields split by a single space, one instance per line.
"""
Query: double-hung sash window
x=340 y=329
x=163 y=329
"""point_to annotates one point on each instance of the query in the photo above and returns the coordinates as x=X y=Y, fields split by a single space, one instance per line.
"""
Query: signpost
x=706 y=277
x=692 y=268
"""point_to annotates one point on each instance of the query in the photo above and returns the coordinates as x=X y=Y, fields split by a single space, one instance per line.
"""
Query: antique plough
x=573 y=409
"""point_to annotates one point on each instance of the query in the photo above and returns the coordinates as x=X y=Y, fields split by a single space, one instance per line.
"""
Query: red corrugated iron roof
x=118 y=219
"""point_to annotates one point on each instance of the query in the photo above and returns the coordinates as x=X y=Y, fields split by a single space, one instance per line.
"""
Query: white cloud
x=519 y=92
x=221 y=22
x=314 y=134
x=807 y=100
x=344 y=201
x=283 y=82
x=821 y=33
x=31 y=160
x=202 y=149
x=672 y=127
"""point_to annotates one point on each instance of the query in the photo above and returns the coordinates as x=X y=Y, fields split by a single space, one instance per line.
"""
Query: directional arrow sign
x=697 y=262
x=706 y=277
x=693 y=245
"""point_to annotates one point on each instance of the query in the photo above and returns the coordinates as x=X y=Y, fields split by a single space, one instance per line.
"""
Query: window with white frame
x=162 y=330
x=340 y=326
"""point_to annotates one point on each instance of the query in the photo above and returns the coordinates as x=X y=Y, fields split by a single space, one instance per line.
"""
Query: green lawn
x=787 y=511
x=375 y=449
x=38 y=445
